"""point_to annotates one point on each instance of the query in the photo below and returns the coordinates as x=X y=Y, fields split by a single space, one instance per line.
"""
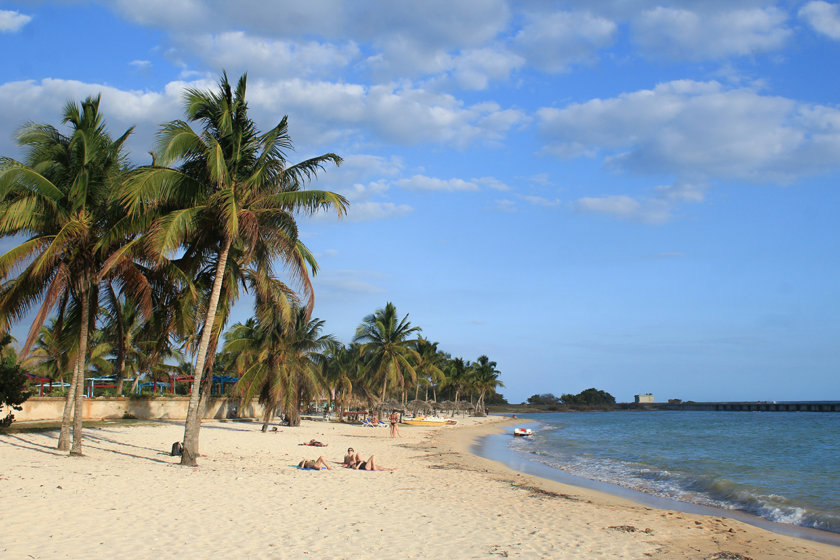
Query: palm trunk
x=207 y=380
x=76 y=449
x=64 y=437
x=119 y=367
x=193 y=422
x=267 y=417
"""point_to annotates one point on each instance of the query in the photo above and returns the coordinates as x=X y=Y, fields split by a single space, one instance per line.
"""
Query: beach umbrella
x=419 y=406
x=446 y=405
x=389 y=404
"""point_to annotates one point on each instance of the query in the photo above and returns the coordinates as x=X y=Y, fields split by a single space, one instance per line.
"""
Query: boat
x=429 y=421
x=522 y=432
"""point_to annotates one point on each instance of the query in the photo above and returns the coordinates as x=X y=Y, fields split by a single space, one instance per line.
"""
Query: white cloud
x=555 y=41
x=822 y=16
x=370 y=210
x=698 y=129
x=625 y=208
x=423 y=183
x=238 y=51
x=541 y=201
x=11 y=21
x=393 y=112
x=684 y=34
x=657 y=208
x=44 y=102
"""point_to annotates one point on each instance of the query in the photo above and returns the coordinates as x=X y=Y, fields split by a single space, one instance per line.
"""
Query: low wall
x=175 y=408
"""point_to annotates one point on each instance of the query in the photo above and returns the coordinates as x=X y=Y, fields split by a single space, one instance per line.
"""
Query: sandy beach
x=127 y=498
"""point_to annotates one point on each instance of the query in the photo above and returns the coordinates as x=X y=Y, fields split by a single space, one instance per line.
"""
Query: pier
x=750 y=406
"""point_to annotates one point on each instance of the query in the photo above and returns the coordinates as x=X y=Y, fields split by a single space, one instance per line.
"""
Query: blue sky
x=636 y=196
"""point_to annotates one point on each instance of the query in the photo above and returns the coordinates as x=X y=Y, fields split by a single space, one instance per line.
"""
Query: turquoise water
x=784 y=467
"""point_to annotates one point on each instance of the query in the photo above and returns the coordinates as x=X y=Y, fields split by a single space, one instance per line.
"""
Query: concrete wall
x=99 y=408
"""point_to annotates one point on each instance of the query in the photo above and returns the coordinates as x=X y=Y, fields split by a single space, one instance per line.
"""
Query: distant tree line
x=588 y=397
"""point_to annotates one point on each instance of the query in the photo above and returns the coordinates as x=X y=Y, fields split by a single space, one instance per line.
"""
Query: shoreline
x=127 y=498
x=490 y=447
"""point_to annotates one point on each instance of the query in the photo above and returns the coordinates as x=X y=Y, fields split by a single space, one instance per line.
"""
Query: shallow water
x=781 y=466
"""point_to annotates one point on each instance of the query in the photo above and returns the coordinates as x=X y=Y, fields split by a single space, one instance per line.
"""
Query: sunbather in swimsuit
x=316 y=465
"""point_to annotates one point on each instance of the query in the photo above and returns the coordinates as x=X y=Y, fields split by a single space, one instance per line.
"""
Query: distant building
x=647 y=397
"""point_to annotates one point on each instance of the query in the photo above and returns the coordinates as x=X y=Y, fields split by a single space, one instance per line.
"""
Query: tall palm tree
x=485 y=377
x=387 y=346
x=279 y=362
x=428 y=365
x=457 y=376
x=232 y=185
x=61 y=200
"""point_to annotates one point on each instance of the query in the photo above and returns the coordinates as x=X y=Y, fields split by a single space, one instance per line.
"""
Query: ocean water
x=781 y=466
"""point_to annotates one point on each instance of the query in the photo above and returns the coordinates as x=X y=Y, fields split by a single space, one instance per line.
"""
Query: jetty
x=748 y=406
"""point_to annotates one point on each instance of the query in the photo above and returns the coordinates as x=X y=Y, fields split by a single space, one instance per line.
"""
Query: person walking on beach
x=394 y=418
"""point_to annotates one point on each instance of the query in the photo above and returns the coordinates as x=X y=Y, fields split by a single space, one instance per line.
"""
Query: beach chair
x=367 y=423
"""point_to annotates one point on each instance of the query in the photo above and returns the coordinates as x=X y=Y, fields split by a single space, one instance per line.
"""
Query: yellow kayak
x=428 y=421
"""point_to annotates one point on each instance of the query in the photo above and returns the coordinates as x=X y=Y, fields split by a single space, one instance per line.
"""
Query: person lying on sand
x=316 y=465
x=355 y=462
x=315 y=443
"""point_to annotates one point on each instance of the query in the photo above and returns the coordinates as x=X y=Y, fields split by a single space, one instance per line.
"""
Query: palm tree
x=457 y=372
x=388 y=349
x=232 y=187
x=485 y=377
x=61 y=200
x=428 y=365
x=52 y=354
x=279 y=362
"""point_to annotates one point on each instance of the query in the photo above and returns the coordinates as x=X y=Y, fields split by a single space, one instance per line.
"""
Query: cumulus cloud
x=698 y=129
x=11 y=21
x=555 y=41
x=823 y=17
x=655 y=208
x=686 y=34
x=625 y=208
x=423 y=183
x=237 y=50
x=44 y=102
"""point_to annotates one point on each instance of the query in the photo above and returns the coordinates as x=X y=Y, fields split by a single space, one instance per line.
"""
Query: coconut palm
x=457 y=376
x=485 y=377
x=428 y=366
x=387 y=347
x=61 y=200
x=279 y=362
x=232 y=185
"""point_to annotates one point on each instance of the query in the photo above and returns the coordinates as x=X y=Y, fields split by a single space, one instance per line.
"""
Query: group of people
x=352 y=460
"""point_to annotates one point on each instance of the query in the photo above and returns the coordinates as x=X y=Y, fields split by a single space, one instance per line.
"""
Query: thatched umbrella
x=389 y=404
x=419 y=406
x=446 y=405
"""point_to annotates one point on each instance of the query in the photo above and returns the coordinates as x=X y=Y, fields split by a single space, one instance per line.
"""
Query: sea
x=782 y=468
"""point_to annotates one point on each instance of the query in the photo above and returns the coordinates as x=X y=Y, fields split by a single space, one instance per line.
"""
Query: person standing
x=394 y=418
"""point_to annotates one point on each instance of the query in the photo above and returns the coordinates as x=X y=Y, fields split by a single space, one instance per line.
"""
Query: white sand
x=127 y=498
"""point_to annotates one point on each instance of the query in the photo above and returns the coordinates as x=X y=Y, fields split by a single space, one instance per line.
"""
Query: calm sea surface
x=784 y=467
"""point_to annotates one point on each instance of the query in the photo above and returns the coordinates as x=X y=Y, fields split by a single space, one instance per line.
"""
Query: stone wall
x=169 y=408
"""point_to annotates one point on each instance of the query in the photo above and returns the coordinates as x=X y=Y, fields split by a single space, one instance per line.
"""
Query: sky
x=633 y=196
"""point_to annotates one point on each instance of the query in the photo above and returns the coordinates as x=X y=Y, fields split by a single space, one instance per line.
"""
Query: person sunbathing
x=316 y=465
x=315 y=443
x=355 y=462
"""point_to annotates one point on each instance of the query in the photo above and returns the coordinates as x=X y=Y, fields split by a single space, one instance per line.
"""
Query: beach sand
x=127 y=498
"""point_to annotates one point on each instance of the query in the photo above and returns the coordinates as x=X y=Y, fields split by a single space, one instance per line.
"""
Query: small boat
x=429 y=421
x=522 y=432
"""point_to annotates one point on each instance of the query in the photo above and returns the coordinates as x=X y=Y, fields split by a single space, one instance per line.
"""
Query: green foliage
x=589 y=397
x=12 y=383
x=543 y=399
